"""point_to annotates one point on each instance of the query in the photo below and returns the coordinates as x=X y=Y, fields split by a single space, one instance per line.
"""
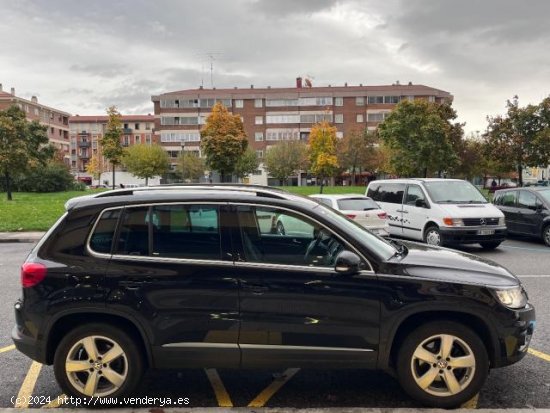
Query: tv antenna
x=209 y=57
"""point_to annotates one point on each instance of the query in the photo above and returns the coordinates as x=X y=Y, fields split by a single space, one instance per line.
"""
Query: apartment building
x=55 y=120
x=271 y=114
x=87 y=131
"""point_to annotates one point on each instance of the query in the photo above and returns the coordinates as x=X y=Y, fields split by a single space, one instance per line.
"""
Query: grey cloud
x=287 y=7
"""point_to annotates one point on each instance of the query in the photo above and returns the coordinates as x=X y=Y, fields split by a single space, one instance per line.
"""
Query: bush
x=53 y=177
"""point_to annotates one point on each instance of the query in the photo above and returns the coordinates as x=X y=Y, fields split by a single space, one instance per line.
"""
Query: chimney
x=0 y=87
x=346 y=84
x=200 y=87
x=13 y=91
x=298 y=82
x=410 y=83
x=360 y=85
x=397 y=83
x=269 y=87
x=251 y=86
x=34 y=99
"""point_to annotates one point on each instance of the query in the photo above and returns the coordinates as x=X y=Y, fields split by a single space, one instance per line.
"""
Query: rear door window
x=508 y=199
x=527 y=200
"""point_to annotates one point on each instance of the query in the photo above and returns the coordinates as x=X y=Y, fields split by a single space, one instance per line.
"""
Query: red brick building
x=87 y=131
x=274 y=114
x=55 y=120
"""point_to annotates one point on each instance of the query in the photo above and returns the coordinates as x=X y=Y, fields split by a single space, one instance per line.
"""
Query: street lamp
x=182 y=161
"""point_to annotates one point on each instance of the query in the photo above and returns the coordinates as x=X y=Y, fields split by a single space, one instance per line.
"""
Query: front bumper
x=472 y=235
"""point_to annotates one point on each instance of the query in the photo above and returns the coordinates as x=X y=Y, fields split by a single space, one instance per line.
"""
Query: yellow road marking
x=219 y=389
x=8 y=348
x=25 y=392
x=54 y=404
x=262 y=398
x=539 y=354
x=472 y=403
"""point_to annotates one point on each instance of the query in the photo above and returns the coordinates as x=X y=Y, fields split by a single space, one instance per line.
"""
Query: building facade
x=55 y=120
x=87 y=131
x=271 y=115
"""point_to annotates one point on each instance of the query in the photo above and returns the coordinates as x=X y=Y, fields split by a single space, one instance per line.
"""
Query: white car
x=360 y=208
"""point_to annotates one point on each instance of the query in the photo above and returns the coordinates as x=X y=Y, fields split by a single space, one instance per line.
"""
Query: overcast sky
x=84 y=56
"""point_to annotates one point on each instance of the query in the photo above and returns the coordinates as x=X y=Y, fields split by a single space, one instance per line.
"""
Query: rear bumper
x=25 y=341
x=472 y=235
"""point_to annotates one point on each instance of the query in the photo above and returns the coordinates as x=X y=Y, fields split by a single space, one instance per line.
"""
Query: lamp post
x=182 y=161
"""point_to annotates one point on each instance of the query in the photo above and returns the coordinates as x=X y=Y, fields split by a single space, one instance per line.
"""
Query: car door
x=390 y=198
x=172 y=266
x=507 y=203
x=295 y=309
x=528 y=219
x=415 y=212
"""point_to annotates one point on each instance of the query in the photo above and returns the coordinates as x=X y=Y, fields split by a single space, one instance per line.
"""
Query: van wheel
x=432 y=236
x=442 y=364
x=489 y=245
x=546 y=235
x=97 y=360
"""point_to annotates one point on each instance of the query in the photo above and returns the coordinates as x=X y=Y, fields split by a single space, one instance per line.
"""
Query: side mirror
x=420 y=203
x=347 y=263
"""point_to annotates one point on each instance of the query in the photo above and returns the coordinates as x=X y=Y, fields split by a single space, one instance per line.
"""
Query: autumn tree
x=223 y=140
x=322 y=151
x=22 y=144
x=286 y=159
x=521 y=137
x=357 y=151
x=146 y=161
x=247 y=163
x=94 y=167
x=190 y=165
x=421 y=138
x=110 y=142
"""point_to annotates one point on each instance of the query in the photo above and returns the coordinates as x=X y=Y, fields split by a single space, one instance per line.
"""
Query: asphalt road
x=523 y=385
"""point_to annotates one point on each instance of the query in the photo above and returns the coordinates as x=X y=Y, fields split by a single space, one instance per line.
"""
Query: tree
x=520 y=138
x=110 y=142
x=420 y=137
x=94 y=167
x=223 y=140
x=358 y=150
x=22 y=144
x=146 y=161
x=191 y=166
x=286 y=159
x=322 y=151
x=247 y=163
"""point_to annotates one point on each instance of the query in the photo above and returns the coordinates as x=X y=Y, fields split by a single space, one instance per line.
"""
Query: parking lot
x=523 y=385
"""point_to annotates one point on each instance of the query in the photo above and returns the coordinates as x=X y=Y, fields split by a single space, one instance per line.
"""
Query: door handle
x=402 y=210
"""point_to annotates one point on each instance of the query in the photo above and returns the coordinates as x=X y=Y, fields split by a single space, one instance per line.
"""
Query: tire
x=414 y=374
x=432 y=236
x=490 y=245
x=546 y=235
x=126 y=368
x=280 y=228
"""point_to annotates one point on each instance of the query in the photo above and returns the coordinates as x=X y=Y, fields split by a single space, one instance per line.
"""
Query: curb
x=27 y=237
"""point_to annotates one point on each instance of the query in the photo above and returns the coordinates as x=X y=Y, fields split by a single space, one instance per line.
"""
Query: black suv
x=527 y=211
x=199 y=276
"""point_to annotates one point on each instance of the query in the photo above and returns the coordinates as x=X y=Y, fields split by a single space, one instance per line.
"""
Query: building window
x=260 y=153
x=316 y=118
x=339 y=118
x=359 y=101
x=431 y=99
x=391 y=100
x=259 y=136
x=282 y=134
x=338 y=101
x=239 y=103
x=339 y=134
x=148 y=139
x=258 y=103
x=360 y=118
x=147 y=126
x=282 y=118
x=138 y=139
x=410 y=98
x=377 y=117
x=136 y=126
x=373 y=100
x=259 y=120
x=316 y=101
x=281 y=102
x=184 y=136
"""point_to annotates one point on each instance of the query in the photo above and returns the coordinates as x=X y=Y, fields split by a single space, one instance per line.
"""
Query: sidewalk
x=20 y=236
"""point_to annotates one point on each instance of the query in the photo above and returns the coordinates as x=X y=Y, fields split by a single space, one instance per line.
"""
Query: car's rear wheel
x=98 y=360
x=442 y=364
x=489 y=245
x=546 y=235
x=432 y=236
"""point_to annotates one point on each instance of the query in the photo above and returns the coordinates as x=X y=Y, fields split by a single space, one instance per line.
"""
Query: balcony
x=84 y=156
x=127 y=131
x=83 y=133
x=84 y=144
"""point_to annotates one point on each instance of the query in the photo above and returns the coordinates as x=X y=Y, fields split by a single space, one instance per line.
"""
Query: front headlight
x=512 y=297
x=502 y=221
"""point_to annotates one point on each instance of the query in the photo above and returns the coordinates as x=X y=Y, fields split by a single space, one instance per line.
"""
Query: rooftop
x=104 y=119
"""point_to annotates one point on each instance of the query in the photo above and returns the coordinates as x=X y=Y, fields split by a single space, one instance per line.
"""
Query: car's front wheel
x=546 y=235
x=98 y=360
x=432 y=236
x=442 y=364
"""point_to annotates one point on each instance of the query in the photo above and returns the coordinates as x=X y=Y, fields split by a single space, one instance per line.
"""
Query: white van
x=439 y=211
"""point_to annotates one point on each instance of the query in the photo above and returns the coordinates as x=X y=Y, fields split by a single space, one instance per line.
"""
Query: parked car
x=440 y=212
x=188 y=278
x=527 y=211
x=360 y=208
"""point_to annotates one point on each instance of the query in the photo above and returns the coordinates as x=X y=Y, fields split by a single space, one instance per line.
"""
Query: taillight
x=352 y=216
x=382 y=215
x=32 y=273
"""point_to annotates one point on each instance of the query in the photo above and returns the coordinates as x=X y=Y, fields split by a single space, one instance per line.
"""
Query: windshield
x=378 y=244
x=357 y=204
x=454 y=192
x=545 y=194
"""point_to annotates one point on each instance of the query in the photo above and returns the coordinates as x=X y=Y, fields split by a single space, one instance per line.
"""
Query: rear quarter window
x=103 y=235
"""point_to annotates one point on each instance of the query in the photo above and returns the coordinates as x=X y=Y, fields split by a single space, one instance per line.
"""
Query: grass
x=31 y=211
x=310 y=190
